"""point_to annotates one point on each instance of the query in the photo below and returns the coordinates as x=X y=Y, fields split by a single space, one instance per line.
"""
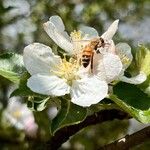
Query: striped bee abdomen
x=86 y=60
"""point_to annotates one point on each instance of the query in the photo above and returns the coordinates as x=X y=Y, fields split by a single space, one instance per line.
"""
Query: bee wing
x=80 y=44
x=56 y=30
x=88 y=32
x=82 y=41
x=111 y=30
x=124 y=52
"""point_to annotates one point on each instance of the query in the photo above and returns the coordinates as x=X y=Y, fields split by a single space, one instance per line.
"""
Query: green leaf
x=69 y=114
x=146 y=86
x=36 y=104
x=11 y=66
x=143 y=59
x=132 y=100
x=23 y=90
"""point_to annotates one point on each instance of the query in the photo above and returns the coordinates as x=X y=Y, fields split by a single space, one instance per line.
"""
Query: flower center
x=67 y=70
x=16 y=114
x=76 y=35
x=125 y=60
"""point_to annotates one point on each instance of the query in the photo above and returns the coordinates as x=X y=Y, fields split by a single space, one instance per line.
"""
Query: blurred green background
x=21 y=23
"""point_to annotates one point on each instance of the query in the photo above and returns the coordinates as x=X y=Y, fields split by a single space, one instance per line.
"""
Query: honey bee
x=89 y=50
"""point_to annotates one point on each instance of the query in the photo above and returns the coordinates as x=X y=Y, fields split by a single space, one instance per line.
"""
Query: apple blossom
x=51 y=75
x=54 y=76
x=123 y=50
x=19 y=116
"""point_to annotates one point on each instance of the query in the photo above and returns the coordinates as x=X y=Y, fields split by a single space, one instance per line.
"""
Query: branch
x=65 y=133
x=129 y=140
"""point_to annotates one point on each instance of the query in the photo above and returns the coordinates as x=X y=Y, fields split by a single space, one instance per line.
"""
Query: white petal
x=88 y=32
x=38 y=58
x=84 y=72
x=12 y=120
x=107 y=66
x=88 y=91
x=56 y=30
x=140 y=78
x=123 y=50
x=48 y=85
x=111 y=30
x=109 y=47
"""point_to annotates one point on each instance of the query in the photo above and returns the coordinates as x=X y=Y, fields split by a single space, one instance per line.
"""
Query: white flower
x=123 y=50
x=19 y=116
x=51 y=75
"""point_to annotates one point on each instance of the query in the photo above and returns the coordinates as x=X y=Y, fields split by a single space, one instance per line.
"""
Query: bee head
x=94 y=42
x=101 y=39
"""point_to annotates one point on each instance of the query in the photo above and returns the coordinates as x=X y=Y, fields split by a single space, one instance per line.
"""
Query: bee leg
x=92 y=63
x=97 y=51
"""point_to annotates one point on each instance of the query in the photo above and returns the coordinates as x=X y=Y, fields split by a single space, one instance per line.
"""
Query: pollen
x=76 y=35
x=125 y=60
x=67 y=70
x=77 y=39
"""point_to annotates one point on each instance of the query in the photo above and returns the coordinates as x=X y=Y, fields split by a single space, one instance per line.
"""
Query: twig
x=129 y=140
x=65 y=133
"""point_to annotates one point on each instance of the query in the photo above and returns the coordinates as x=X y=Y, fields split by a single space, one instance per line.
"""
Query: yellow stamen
x=125 y=60
x=76 y=35
x=77 y=38
x=67 y=70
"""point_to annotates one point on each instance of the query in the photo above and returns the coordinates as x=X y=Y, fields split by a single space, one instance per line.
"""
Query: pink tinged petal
x=30 y=126
x=140 y=78
x=56 y=30
x=48 y=85
x=38 y=58
x=88 y=33
x=123 y=50
x=24 y=114
x=88 y=91
x=107 y=66
x=111 y=30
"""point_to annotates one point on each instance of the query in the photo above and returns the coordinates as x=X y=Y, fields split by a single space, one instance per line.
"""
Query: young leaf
x=143 y=59
x=69 y=114
x=37 y=105
x=11 y=66
x=132 y=100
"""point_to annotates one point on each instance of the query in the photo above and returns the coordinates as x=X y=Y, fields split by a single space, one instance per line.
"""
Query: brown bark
x=129 y=140
x=65 y=133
